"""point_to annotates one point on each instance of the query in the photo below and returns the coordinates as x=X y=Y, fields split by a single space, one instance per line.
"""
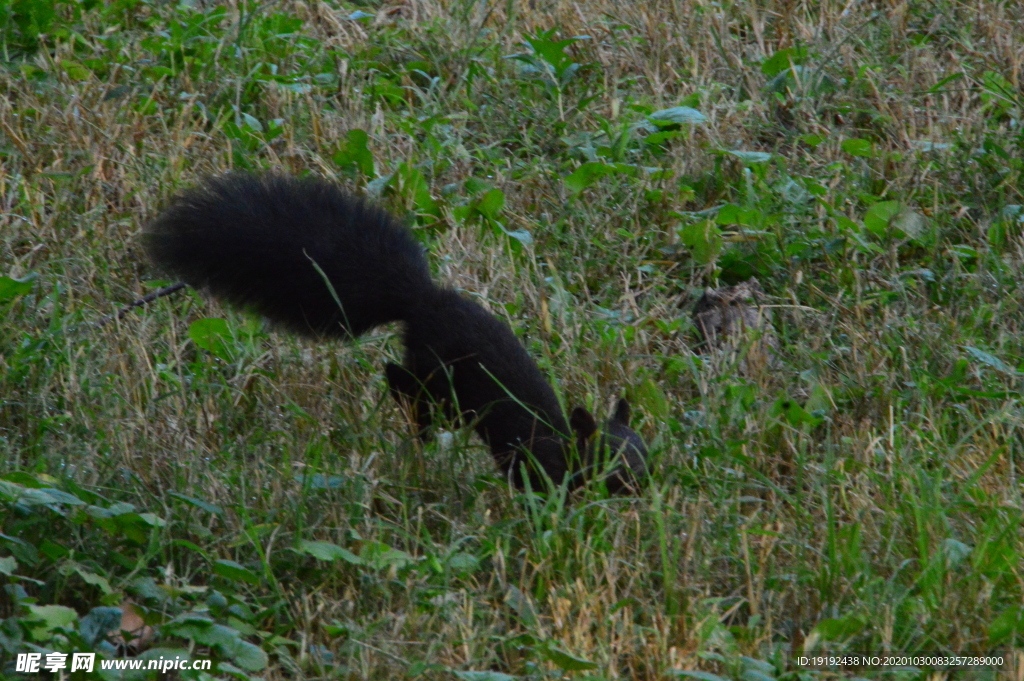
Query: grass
x=583 y=170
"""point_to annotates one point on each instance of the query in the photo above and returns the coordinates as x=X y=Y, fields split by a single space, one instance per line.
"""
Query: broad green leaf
x=793 y=413
x=678 y=115
x=748 y=158
x=586 y=175
x=380 y=556
x=99 y=622
x=990 y=360
x=910 y=222
x=782 y=60
x=839 y=629
x=323 y=550
x=43 y=619
x=656 y=138
x=297 y=88
x=42 y=496
x=956 y=551
x=728 y=214
x=252 y=122
x=246 y=655
x=653 y=397
x=521 y=235
x=1006 y=625
x=812 y=139
x=76 y=71
x=858 y=147
x=199 y=503
x=693 y=674
x=945 y=81
x=94 y=579
x=520 y=602
x=412 y=184
x=152 y=519
x=755 y=675
x=474 y=185
x=996 y=89
x=963 y=252
x=354 y=153
x=212 y=334
x=564 y=660
x=731 y=214
x=880 y=215
x=320 y=481
x=1013 y=212
x=12 y=288
x=229 y=569
x=819 y=400
x=759 y=666
x=549 y=54
x=491 y=204
x=463 y=562
x=704 y=240
x=204 y=631
x=484 y=676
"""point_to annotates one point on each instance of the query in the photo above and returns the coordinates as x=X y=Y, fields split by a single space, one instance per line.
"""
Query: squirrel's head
x=616 y=450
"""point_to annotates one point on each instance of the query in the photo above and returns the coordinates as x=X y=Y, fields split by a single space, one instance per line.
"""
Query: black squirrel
x=322 y=262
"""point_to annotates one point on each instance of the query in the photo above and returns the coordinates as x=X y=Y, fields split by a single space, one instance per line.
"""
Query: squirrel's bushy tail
x=252 y=240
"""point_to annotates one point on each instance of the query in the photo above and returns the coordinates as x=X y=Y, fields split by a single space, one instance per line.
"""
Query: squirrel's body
x=315 y=259
x=487 y=371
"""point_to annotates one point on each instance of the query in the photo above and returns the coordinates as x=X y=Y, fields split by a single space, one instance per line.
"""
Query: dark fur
x=618 y=446
x=253 y=240
x=269 y=242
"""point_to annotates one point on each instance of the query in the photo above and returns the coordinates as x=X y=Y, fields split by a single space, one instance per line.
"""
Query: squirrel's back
x=300 y=251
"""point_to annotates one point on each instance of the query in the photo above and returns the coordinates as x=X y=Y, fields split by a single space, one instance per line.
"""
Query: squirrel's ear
x=621 y=412
x=582 y=423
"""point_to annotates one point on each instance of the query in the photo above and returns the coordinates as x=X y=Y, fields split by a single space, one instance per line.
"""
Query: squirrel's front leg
x=412 y=396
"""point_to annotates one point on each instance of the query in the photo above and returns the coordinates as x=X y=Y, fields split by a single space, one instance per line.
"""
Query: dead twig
x=145 y=300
